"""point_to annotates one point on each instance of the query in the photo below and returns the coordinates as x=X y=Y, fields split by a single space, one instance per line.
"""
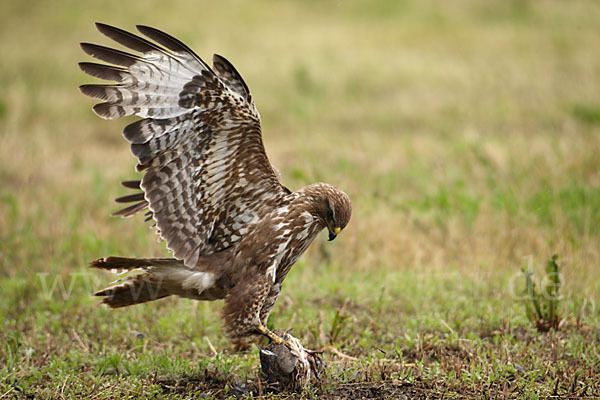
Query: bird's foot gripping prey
x=288 y=365
x=273 y=336
x=233 y=228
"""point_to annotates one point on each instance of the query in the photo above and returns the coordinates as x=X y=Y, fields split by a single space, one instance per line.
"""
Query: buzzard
x=233 y=228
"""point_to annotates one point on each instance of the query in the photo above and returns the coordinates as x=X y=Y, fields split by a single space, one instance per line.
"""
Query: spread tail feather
x=123 y=264
x=160 y=277
x=134 y=289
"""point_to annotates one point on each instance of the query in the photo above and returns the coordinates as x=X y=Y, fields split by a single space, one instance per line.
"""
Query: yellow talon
x=276 y=338
x=271 y=335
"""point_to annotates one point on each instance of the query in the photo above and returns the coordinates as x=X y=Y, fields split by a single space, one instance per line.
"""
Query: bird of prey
x=234 y=230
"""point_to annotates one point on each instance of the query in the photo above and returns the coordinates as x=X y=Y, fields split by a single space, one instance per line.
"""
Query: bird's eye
x=329 y=215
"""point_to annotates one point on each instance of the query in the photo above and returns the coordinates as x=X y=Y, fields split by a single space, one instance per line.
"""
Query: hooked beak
x=333 y=233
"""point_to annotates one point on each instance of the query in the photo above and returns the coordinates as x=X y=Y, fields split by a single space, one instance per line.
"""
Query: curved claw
x=316 y=362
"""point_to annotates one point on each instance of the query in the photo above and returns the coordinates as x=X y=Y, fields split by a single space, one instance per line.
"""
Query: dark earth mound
x=213 y=385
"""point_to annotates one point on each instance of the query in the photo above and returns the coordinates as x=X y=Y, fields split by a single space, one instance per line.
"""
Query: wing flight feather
x=199 y=144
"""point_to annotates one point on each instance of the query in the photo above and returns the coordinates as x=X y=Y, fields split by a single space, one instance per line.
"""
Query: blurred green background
x=466 y=133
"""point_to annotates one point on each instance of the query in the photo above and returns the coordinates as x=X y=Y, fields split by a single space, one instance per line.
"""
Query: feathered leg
x=242 y=311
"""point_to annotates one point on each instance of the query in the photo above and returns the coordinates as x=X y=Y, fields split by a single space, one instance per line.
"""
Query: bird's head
x=334 y=209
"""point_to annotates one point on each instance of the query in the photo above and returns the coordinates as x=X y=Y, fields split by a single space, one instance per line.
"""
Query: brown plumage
x=233 y=228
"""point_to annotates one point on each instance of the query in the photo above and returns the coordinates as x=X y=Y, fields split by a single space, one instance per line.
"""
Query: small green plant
x=339 y=322
x=543 y=306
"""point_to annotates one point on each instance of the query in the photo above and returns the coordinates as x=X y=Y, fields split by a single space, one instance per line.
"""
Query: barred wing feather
x=207 y=176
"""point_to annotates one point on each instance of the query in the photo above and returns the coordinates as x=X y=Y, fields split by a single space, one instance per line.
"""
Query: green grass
x=466 y=135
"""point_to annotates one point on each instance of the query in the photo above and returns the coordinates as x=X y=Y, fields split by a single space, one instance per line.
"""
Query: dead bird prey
x=234 y=230
x=288 y=366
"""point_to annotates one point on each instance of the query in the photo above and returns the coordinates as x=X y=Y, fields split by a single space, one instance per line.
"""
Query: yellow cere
x=337 y=230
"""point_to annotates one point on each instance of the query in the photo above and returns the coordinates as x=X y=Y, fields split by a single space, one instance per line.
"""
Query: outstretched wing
x=207 y=176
